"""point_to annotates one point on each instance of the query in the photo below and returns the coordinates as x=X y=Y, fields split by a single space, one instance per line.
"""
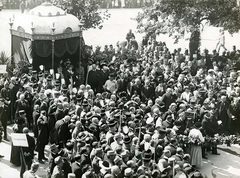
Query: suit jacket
x=30 y=148
x=208 y=127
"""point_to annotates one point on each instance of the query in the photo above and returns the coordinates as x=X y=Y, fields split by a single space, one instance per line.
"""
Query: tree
x=87 y=11
x=178 y=17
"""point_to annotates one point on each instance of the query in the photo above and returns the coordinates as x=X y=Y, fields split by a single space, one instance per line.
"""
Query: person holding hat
x=32 y=172
x=195 y=146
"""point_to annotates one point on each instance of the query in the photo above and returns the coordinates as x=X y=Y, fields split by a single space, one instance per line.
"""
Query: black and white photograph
x=120 y=89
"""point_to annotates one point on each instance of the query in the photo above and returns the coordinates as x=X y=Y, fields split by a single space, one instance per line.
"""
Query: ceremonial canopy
x=47 y=35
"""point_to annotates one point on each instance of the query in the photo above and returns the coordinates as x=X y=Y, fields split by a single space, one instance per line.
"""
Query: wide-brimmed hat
x=104 y=165
x=53 y=147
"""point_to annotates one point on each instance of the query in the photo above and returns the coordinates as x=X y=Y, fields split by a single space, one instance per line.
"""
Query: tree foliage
x=177 y=17
x=88 y=12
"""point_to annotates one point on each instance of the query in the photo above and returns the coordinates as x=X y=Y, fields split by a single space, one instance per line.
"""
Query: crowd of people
x=133 y=112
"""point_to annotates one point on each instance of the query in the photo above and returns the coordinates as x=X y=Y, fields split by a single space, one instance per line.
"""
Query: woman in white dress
x=195 y=141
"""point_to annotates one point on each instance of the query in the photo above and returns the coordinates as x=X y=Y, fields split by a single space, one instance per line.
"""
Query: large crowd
x=135 y=111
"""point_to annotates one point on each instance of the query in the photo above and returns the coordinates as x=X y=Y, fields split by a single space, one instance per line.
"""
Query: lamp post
x=80 y=36
x=32 y=41
x=11 y=24
x=53 y=40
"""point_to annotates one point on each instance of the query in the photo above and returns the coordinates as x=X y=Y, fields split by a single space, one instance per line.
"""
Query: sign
x=3 y=69
x=19 y=139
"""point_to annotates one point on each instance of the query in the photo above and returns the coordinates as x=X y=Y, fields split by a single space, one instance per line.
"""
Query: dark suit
x=28 y=154
x=43 y=135
x=61 y=132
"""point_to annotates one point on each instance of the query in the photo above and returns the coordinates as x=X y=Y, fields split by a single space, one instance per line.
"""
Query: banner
x=19 y=139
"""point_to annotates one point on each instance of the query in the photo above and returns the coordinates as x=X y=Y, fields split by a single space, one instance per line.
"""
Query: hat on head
x=58 y=160
x=128 y=172
x=104 y=165
x=35 y=165
x=117 y=136
x=127 y=139
x=112 y=122
x=147 y=155
x=98 y=151
x=53 y=147
x=108 y=176
x=198 y=124
x=85 y=102
x=117 y=159
x=89 y=115
x=178 y=123
x=49 y=78
x=25 y=130
x=111 y=153
x=21 y=112
x=71 y=175
x=125 y=154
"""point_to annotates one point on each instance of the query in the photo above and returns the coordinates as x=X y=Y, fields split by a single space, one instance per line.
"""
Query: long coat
x=43 y=131
x=61 y=132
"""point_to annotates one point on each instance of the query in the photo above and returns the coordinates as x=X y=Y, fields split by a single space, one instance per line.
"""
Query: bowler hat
x=127 y=139
x=112 y=122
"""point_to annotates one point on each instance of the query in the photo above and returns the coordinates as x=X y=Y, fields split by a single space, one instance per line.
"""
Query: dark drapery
x=47 y=61
x=41 y=51
x=43 y=48
x=63 y=49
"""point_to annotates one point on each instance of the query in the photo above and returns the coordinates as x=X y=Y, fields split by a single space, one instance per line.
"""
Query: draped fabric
x=44 y=48
x=41 y=51
x=21 y=49
x=47 y=61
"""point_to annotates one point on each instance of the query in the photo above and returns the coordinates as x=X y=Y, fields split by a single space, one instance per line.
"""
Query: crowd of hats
x=128 y=133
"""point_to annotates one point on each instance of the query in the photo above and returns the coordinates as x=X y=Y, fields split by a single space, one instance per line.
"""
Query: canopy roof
x=46 y=22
